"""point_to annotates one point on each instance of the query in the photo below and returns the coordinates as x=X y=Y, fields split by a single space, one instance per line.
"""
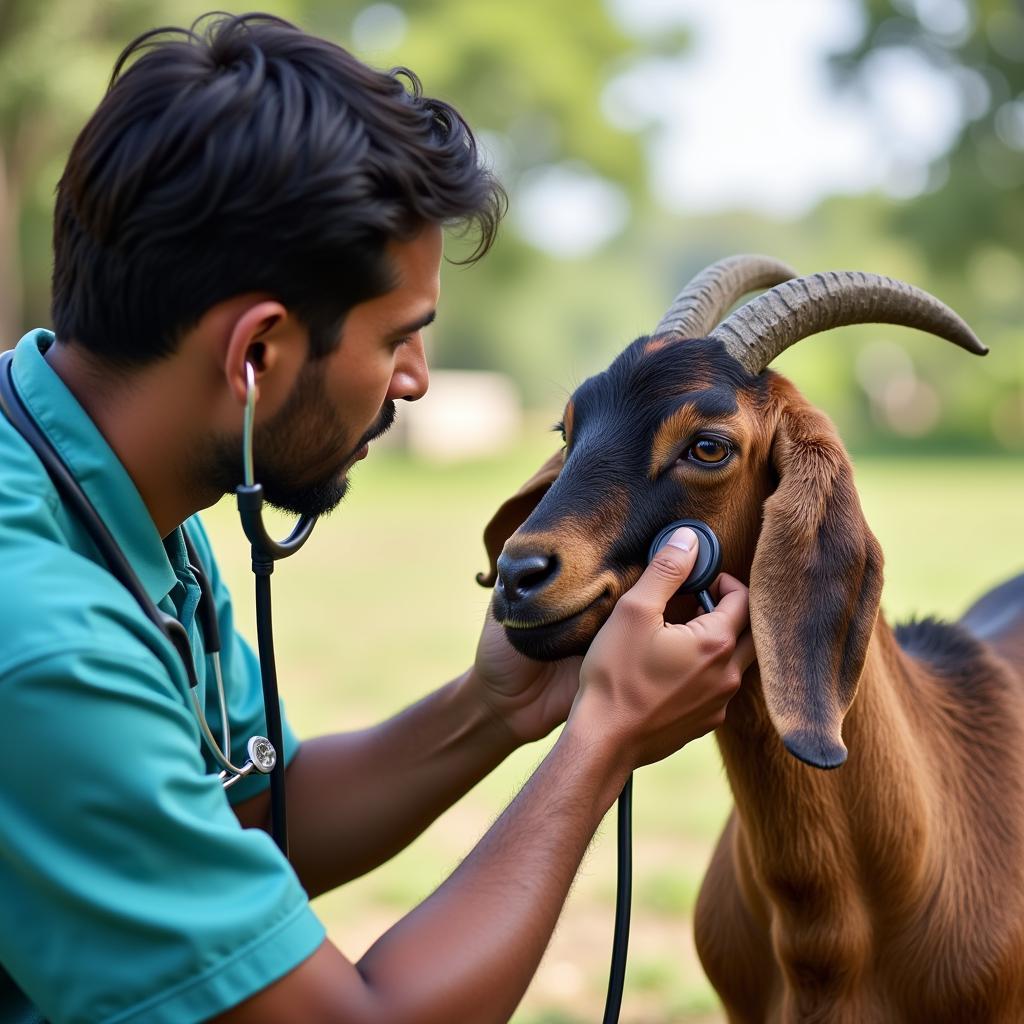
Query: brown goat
x=890 y=889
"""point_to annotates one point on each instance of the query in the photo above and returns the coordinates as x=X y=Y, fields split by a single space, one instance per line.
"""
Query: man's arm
x=469 y=950
x=356 y=799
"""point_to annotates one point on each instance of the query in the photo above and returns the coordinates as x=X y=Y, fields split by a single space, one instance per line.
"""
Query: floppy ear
x=815 y=585
x=514 y=512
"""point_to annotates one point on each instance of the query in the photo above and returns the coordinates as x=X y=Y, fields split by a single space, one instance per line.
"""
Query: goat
x=889 y=889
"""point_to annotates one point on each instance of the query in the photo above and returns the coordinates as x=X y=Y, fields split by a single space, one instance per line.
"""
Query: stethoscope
x=264 y=752
x=702 y=575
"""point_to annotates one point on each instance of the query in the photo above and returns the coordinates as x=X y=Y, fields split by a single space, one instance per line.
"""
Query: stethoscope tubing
x=709 y=561
x=265 y=753
x=265 y=551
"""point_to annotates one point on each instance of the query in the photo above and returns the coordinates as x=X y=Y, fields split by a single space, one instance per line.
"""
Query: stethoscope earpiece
x=709 y=558
x=249 y=494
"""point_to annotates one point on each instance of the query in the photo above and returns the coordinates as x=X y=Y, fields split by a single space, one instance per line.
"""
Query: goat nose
x=522 y=576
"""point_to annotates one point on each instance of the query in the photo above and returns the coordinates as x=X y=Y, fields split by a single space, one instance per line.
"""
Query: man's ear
x=263 y=333
x=815 y=585
x=513 y=512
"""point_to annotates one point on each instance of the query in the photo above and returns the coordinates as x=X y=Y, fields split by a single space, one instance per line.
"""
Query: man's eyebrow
x=417 y=325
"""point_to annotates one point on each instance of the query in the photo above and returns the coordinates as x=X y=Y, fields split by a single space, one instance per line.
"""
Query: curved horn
x=762 y=328
x=708 y=296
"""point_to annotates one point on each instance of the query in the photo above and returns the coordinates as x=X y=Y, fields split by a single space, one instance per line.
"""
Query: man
x=248 y=194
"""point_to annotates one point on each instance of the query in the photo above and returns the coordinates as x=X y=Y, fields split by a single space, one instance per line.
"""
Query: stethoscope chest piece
x=709 y=558
x=262 y=754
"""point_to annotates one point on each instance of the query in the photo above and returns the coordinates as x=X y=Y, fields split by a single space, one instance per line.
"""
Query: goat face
x=669 y=431
x=683 y=427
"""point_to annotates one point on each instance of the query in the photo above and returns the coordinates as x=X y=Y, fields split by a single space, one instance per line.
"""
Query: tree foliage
x=528 y=76
x=977 y=196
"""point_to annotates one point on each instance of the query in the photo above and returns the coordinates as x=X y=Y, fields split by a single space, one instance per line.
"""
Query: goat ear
x=815 y=586
x=513 y=512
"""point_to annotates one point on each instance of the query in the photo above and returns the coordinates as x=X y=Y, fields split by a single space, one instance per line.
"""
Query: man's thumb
x=670 y=566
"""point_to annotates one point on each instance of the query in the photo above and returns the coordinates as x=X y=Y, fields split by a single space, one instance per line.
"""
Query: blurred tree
x=55 y=60
x=976 y=197
x=528 y=76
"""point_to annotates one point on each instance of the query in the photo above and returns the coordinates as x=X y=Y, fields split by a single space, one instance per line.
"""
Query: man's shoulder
x=54 y=598
x=25 y=489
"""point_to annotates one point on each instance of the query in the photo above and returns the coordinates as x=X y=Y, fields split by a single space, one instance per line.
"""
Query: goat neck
x=810 y=832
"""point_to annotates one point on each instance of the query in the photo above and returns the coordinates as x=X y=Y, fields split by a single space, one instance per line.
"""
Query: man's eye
x=399 y=342
x=709 y=450
x=559 y=428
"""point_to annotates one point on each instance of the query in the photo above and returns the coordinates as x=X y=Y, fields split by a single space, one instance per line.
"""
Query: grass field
x=382 y=605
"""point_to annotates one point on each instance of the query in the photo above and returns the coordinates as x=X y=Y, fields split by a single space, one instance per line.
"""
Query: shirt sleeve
x=242 y=684
x=137 y=895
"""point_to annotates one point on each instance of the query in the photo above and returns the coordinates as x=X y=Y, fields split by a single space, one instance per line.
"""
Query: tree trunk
x=10 y=257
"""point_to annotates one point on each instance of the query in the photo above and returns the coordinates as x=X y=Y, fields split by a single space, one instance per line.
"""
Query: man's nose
x=411 y=376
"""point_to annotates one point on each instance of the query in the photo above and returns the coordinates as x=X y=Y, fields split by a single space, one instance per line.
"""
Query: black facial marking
x=711 y=402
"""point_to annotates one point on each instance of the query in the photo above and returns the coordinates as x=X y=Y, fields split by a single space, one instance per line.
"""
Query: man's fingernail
x=683 y=538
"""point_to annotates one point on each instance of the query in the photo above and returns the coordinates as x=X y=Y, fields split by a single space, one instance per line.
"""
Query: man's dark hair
x=245 y=155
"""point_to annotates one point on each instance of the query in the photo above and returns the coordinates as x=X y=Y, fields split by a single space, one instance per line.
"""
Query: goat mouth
x=550 y=639
x=563 y=620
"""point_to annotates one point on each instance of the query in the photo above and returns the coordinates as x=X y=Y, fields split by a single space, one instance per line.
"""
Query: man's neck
x=144 y=415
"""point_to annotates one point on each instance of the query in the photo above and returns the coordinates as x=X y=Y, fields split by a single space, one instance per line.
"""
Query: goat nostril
x=520 y=577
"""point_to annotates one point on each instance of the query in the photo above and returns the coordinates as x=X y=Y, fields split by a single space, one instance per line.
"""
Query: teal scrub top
x=129 y=890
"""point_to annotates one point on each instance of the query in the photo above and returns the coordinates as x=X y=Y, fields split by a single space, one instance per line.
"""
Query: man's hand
x=649 y=686
x=528 y=697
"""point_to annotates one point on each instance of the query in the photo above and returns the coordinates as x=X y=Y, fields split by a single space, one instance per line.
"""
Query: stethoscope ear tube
x=266 y=551
x=264 y=548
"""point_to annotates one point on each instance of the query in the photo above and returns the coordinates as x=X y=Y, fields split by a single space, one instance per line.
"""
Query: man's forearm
x=356 y=799
x=519 y=875
x=468 y=952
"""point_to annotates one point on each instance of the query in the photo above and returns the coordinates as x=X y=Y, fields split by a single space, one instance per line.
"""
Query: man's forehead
x=409 y=305
x=416 y=261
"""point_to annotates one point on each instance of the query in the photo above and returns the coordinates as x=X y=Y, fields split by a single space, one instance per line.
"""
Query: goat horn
x=763 y=327
x=708 y=296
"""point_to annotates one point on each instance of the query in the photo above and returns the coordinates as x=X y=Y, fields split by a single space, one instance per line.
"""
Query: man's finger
x=733 y=606
x=744 y=654
x=666 y=573
x=725 y=584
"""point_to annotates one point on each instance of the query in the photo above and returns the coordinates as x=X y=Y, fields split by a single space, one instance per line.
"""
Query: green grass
x=382 y=605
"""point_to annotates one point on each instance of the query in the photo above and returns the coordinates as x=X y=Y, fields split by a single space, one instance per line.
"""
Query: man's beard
x=300 y=427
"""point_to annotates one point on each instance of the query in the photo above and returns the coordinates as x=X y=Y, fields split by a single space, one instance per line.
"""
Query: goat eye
x=709 y=450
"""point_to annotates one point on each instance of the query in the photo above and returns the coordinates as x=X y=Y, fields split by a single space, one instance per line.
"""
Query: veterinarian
x=253 y=216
